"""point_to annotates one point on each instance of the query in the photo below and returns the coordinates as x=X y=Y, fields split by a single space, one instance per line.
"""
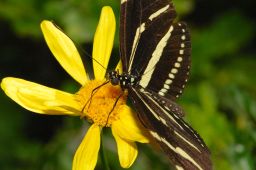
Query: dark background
x=220 y=99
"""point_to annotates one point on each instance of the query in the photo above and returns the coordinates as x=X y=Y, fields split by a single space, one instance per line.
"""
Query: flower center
x=100 y=102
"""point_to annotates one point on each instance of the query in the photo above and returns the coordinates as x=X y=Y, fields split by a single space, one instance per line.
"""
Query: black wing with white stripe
x=155 y=52
x=137 y=17
x=154 y=47
x=178 y=140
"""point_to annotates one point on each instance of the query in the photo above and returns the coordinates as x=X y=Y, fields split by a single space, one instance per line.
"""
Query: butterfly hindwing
x=156 y=52
x=168 y=74
x=154 y=47
x=167 y=104
x=178 y=140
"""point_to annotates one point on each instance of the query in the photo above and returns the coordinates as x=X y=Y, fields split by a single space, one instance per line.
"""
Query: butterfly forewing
x=140 y=31
x=178 y=140
x=153 y=47
x=157 y=51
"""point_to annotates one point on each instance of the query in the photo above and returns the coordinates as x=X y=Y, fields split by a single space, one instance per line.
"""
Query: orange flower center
x=100 y=102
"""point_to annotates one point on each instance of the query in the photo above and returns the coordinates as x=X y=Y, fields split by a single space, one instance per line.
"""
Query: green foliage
x=78 y=18
x=220 y=98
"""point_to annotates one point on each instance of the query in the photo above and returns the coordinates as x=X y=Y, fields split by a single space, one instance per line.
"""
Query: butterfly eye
x=113 y=77
x=155 y=53
x=114 y=81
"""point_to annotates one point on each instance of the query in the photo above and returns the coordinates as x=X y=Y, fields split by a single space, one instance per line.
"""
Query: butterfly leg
x=94 y=91
x=121 y=94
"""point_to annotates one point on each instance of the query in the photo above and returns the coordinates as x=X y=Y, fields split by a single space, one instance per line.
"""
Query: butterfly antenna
x=79 y=46
x=88 y=55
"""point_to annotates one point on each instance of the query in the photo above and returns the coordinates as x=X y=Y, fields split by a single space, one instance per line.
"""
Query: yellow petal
x=128 y=127
x=127 y=151
x=64 y=51
x=87 y=153
x=103 y=42
x=40 y=99
x=119 y=67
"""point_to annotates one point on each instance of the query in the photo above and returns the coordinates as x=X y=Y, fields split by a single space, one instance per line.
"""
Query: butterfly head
x=113 y=77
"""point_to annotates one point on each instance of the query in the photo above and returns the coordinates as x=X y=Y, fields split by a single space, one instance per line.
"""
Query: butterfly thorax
x=125 y=80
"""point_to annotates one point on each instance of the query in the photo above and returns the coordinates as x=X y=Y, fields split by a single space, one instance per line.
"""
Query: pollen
x=101 y=102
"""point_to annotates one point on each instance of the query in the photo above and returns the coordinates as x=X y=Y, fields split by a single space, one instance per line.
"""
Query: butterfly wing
x=134 y=23
x=154 y=47
x=178 y=140
x=157 y=50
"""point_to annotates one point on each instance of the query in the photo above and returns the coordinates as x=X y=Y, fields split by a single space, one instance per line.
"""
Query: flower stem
x=103 y=155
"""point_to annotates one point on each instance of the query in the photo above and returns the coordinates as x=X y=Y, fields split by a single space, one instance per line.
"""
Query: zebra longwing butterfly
x=155 y=55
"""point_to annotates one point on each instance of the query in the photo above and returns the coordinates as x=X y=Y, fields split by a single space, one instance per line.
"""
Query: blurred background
x=220 y=98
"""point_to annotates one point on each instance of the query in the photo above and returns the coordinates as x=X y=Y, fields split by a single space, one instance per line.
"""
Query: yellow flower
x=97 y=107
